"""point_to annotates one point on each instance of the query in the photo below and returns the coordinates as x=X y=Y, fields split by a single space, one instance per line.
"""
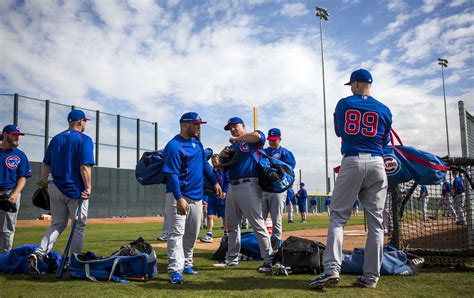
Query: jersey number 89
x=370 y=122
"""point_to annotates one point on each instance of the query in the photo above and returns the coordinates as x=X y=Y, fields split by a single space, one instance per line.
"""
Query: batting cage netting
x=433 y=223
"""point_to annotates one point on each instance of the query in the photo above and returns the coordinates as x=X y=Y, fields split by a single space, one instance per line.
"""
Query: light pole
x=444 y=63
x=324 y=15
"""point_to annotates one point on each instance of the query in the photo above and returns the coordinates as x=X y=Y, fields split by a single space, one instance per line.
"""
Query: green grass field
x=242 y=281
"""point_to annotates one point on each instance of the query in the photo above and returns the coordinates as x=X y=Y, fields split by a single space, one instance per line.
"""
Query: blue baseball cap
x=302 y=184
x=12 y=130
x=191 y=117
x=360 y=75
x=77 y=115
x=274 y=134
x=232 y=121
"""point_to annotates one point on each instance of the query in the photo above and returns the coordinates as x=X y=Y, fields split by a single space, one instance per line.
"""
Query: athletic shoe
x=360 y=281
x=226 y=264
x=163 y=238
x=33 y=266
x=176 y=278
x=203 y=227
x=291 y=221
x=304 y=221
x=266 y=268
x=225 y=238
x=207 y=239
x=324 y=280
x=189 y=270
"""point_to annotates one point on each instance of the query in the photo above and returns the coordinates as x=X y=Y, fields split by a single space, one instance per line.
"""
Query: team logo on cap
x=392 y=166
x=244 y=147
x=277 y=155
x=12 y=162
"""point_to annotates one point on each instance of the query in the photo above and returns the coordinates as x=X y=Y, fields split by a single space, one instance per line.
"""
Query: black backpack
x=301 y=256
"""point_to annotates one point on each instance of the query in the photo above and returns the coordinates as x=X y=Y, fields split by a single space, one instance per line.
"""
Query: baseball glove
x=41 y=198
x=279 y=269
x=227 y=158
x=6 y=205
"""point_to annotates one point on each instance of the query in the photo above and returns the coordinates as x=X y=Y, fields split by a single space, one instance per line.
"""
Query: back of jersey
x=363 y=123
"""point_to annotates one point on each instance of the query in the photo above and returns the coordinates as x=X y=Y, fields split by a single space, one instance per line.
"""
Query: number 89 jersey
x=363 y=123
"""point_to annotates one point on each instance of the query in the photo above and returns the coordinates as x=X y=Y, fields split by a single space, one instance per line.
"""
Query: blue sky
x=158 y=59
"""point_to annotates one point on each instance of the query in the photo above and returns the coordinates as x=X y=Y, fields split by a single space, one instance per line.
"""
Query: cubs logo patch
x=392 y=166
x=12 y=161
x=277 y=155
x=244 y=147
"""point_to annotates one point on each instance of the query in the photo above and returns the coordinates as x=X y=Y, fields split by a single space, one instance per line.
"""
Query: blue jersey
x=446 y=188
x=302 y=195
x=458 y=185
x=66 y=153
x=364 y=125
x=312 y=201
x=223 y=180
x=185 y=165
x=282 y=154
x=14 y=165
x=246 y=166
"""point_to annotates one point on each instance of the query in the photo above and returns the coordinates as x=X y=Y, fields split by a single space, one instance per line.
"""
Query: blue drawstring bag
x=274 y=175
x=149 y=169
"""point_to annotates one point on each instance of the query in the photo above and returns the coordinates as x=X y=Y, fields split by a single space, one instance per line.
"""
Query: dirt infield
x=91 y=221
x=354 y=236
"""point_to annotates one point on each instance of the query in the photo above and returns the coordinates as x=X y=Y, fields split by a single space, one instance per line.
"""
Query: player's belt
x=4 y=189
x=361 y=153
x=240 y=181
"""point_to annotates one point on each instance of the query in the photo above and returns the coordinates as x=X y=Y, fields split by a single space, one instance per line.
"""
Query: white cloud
x=292 y=10
x=456 y=3
x=391 y=28
x=367 y=20
x=430 y=5
x=395 y=5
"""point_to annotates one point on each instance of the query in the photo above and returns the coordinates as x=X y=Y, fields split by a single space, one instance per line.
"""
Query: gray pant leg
x=233 y=216
x=191 y=230
x=266 y=204
x=248 y=197
x=8 y=224
x=346 y=189
x=277 y=204
x=459 y=207
x=373 y=197
x=424 y=201
x=63 y=208
x=177 y=225
x=289 y=208
x=166 y=225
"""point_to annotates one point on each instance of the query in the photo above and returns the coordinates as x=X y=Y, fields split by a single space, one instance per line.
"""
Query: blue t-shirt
x=66 y=153
x=246 y=166
x=185 y=165
x=282 y=154
x=312 y=201
x=223 y=180
x=363 y=123
x=458 y=185
x=14 y=165
x=446 y=188
x=302 y=195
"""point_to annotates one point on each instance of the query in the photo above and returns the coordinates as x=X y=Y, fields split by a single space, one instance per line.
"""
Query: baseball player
x=215 y=205
x=327 y=203
x=185 y=165
x=445 y=203
x=364 y=124
x=205 y=200
x=424 y=201
x=290 y=202
x=274 y=203
x=244 y=197
x=459 y=199
x=67 y=166
x=302 y=196
x=355 y=207
x=313 y=205
x=14 y=169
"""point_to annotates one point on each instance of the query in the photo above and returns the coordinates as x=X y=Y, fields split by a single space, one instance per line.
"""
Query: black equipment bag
x=301 y=256
x=41 y=198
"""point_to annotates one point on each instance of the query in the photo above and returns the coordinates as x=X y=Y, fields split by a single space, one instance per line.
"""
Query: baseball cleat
x=361 y=282
x=33 y=266
x=291 y=221
x=162 y=238
x=207 y=239
x=189 y=270
x=226 y=264
x=266 y=268
x=324 y=280
x=176 y=278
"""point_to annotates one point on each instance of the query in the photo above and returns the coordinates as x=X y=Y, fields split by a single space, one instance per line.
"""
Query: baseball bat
x=59 y=273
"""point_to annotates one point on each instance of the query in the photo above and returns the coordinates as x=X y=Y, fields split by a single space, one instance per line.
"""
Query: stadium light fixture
x=444 y=64
x=323 y=14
